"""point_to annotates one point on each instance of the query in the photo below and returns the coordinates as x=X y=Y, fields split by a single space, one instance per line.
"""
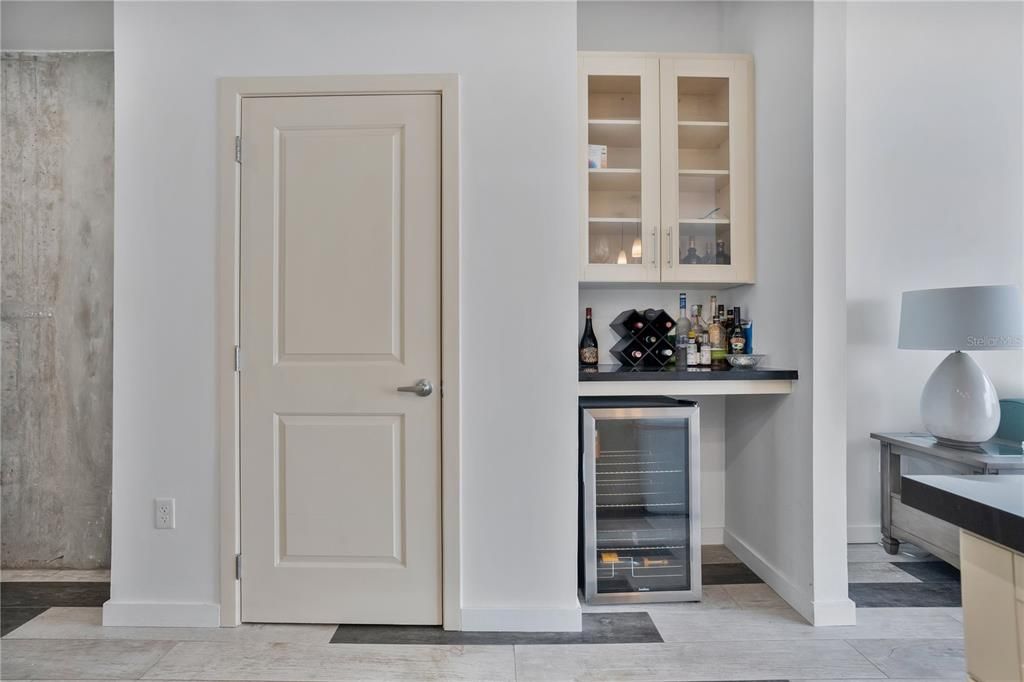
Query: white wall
x=934 y=199
x=768 y=483
x=832 y=604
x=30 y=25
x=518 y=69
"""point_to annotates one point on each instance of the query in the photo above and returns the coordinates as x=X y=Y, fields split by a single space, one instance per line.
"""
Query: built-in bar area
x=688 y=360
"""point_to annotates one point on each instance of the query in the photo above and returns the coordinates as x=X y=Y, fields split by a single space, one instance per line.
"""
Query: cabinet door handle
x=654 y=245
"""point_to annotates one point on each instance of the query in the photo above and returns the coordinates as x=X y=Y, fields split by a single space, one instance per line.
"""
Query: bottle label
x=588 y=356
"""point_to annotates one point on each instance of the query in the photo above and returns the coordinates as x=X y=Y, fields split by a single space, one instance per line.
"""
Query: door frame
x=230 y=93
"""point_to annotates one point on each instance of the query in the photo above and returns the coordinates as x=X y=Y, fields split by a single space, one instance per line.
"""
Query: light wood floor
x=739 y=632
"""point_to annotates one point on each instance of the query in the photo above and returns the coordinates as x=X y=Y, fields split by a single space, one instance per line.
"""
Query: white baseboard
x=838 y=612
x=712 y=536
x=797 y=597
x=161 y=614
x=523 y=620
x=869 y=534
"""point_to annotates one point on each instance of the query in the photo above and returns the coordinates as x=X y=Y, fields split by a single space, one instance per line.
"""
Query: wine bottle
x=691 y=257
x=588 y=344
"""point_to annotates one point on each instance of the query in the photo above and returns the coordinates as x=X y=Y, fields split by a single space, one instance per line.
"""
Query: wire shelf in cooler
x=645 y=504
x=646 y=471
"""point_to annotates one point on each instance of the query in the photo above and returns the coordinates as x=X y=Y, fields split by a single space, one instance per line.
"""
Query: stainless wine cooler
x=640 y=501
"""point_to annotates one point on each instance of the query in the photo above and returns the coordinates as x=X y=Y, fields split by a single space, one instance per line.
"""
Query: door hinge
x=238 y=567
x=238 y=358
x=238 y=149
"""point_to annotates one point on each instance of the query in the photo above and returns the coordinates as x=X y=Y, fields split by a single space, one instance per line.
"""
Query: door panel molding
x=231 y=92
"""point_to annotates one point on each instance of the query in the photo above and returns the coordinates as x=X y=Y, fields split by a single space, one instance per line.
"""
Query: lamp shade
x=962 y=318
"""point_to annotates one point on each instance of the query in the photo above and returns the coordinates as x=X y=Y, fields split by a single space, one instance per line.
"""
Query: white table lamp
x=959 y=405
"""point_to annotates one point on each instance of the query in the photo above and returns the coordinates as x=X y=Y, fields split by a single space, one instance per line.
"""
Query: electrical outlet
x=164 y=512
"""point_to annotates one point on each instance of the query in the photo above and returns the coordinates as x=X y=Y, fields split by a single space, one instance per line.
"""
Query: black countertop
x=620 y=373
x=991 y=506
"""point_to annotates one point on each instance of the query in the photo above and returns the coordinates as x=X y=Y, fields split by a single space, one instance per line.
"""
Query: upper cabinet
x=666 y=157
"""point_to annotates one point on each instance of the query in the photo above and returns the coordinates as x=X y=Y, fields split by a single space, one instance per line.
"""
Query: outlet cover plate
x=163 y=510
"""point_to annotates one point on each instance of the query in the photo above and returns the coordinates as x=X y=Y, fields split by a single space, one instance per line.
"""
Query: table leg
x=889 y=466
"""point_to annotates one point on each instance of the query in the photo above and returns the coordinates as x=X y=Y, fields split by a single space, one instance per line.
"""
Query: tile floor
x=741 y=631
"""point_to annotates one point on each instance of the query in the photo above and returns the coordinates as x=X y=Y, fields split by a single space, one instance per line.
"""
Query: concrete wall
x=57 y=245
x=517 y=62
x=935 y=170
x=77 y=25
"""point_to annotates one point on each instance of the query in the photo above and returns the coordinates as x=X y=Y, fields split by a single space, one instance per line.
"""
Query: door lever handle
x=422 y=388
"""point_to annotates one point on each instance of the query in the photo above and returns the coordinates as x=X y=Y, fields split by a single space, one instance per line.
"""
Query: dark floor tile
x=12 y=617
x=930 y=571
x=728 y=574
x=598 y=628
x=878 y=595
x=53 y=594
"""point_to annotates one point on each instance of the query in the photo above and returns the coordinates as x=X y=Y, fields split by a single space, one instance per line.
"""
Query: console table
x=901 y=523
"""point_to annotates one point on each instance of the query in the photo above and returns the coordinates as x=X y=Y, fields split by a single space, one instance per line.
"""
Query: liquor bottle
x=691 y=257
x=698 y=321
x=692 y=351
x=737 y=341
x=735 y=321
x=682 y=332
x=727 y=325
x=708 y=258
x=716 y=336
x=588 y=344
x=705 y=350
x=721 y=257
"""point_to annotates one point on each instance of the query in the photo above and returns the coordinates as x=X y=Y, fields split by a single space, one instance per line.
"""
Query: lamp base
x=959 y=404
x=959 y=444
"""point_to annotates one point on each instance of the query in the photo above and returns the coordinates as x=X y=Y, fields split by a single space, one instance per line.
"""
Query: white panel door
x=340 y=306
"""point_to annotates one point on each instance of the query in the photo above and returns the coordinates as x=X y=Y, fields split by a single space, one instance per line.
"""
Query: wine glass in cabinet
x=619 y=167
x=707 y=169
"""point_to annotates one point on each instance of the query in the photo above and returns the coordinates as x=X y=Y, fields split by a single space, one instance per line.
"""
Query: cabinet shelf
x=695 y=179
x=614 y=179
x=701 y=135
x=614 y=132
x=629 y=221
x=704 y=221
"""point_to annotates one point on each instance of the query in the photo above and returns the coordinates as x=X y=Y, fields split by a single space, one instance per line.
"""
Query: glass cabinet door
x=620 y=163
x=706 y=171
x=641 y=494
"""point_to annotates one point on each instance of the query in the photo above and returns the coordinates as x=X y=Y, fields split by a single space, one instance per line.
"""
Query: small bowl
x=744 y=361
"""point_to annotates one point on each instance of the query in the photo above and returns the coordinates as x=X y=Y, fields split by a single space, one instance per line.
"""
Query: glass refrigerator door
x=643 y=530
